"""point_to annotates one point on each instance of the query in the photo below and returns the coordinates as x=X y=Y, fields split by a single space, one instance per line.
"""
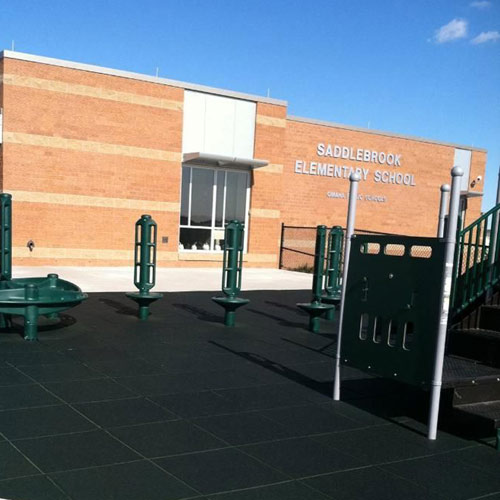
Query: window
x=209 y=199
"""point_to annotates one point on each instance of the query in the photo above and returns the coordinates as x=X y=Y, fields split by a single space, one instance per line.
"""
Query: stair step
x=489 y=410
x=489 y=318
x=476 y=343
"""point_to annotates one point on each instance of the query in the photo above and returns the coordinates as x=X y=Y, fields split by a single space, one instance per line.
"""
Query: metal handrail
x=477 y=263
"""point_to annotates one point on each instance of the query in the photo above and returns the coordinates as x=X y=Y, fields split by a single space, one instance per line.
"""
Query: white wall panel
x=218 y=125
x=244 y=129
x=193 y=131
x=462 y=160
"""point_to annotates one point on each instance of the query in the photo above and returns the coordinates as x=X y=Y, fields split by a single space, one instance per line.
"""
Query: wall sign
x=387 y=175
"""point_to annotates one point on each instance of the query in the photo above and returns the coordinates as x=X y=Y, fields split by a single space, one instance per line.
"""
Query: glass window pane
x=201 y=197
x=219 y=203
x=194 y=239
x=218 y=239
x=186 y=171
x=236 y=189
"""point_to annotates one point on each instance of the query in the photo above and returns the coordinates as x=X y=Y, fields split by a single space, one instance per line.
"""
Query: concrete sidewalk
x=120 y=279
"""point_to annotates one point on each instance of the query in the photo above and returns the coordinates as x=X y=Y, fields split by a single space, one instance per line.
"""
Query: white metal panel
x=244 y=129
x=193 y=128
x=219 y=125
x=462 y=160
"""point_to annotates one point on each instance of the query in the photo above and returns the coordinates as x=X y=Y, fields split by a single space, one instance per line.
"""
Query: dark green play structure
x=29 y=297
x=232 y=265
x=145 y=265
x=401 y=292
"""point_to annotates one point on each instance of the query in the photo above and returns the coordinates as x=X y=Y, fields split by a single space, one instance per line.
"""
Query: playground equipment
x=394 y=310
x=145 y=265
x=231 y=272
x=332 y=281
x=316 y=307
x=29 y=297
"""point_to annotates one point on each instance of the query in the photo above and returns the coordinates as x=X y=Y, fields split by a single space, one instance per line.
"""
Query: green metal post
x=233 y=257
x=232 y=264
x=145 y=264
x=498 y=440
x=6 y=237
x=31 y=292
x=332 y=281
x=316 y=308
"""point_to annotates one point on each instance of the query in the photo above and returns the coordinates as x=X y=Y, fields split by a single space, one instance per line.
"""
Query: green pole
x=145 y=264
x=334 y=257
x=6 y=237
x=232 y=264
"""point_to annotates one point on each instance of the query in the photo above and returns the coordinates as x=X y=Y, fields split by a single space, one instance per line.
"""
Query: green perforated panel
x=392 y=302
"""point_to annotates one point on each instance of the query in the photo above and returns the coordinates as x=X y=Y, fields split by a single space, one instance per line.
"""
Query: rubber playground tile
x=84 y=391
x=310 y=419
x=371 y=483
x=31 y=488
x=149 y=385
x=122 y=412
x=228 y=379
x=131 y=481
x=34 y=358
x=196 y=404
x=13 y=464
x=42 y=421
x=125 y=368
x=220 y=470
x=449 y=477
x=266 y=396
x=75 y=451
x=12 y=397
x=12 y=376
x=482 y=457
x=167 y=438
x=284 y=491
x=380 y=444
x=301 y=457
x=70 y=370
x=243 y=428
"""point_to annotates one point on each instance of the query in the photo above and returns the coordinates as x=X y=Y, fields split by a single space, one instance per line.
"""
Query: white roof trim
x=381 y=132
x=223 y=161
x=137 y=76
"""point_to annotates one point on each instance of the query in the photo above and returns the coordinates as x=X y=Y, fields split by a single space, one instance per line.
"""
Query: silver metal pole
x=450 y=241
x=351 y=217
x=445 y=189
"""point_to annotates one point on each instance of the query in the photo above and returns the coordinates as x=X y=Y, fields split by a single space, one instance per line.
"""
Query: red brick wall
x=85 y=154
x=410 y=210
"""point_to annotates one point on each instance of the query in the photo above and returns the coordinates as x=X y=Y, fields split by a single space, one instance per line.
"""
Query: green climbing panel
x=392 y=311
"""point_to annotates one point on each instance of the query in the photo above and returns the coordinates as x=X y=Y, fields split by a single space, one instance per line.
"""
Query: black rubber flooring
x=106 y=407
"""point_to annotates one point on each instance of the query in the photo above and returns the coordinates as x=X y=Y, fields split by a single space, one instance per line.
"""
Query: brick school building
x=86 y=150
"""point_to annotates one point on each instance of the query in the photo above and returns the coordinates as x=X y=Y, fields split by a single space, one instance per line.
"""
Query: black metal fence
x=297 y=246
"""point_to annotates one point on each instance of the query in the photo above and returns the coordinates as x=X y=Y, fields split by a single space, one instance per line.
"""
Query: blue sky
x=429 y=68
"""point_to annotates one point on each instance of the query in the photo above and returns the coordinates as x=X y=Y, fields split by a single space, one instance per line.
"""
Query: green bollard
x=232 y=264
x=316 y=308
x=145 y=265
x=333 y=261
x=5 y=248
x=6 y=237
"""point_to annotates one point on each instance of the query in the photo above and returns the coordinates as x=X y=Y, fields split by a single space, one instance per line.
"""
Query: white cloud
x=486 y=36
x=454 y=30
x=481 y=4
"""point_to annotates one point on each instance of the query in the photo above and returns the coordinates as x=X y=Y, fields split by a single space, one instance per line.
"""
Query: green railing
x=477 y=261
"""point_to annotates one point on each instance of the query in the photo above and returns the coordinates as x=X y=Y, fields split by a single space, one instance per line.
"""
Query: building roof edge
x=137 y=76
x=381 y=132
